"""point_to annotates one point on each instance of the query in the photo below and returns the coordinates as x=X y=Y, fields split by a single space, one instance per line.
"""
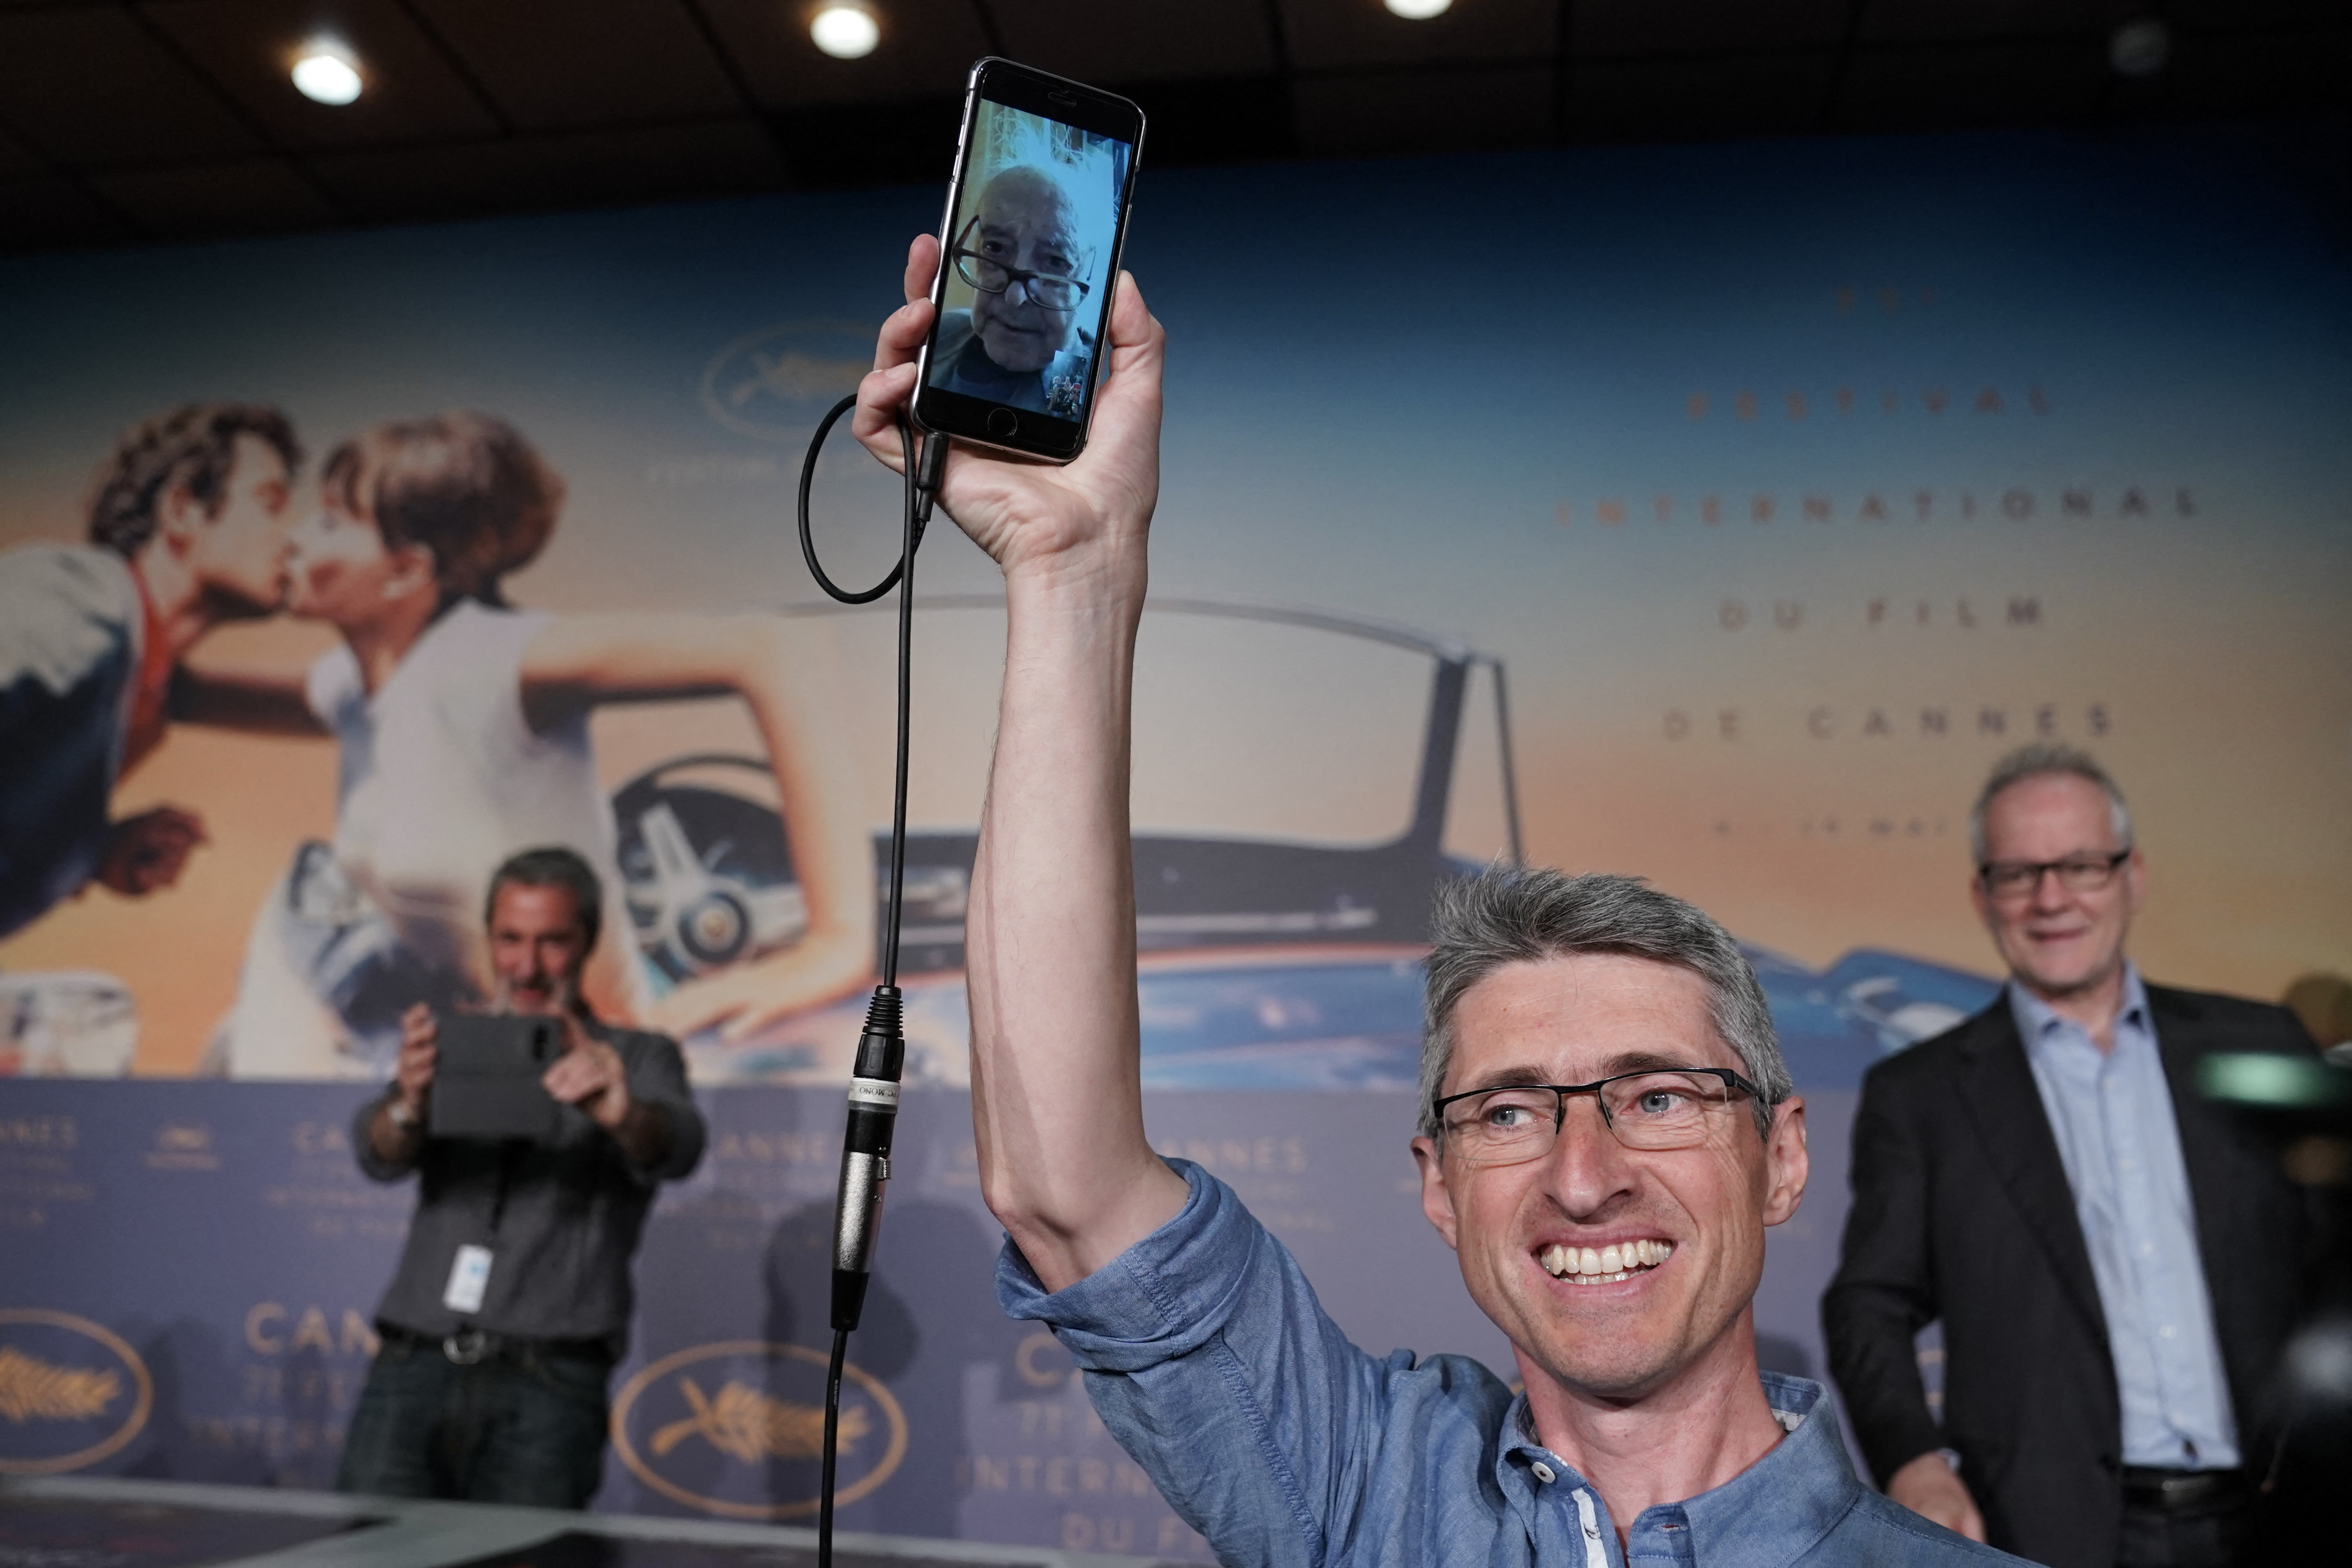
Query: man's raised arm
x=1057 y=1100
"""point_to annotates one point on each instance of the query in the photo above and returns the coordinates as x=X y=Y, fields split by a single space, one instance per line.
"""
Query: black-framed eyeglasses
x=2077 y=874
x=1047 y=290
x=1658 y=1108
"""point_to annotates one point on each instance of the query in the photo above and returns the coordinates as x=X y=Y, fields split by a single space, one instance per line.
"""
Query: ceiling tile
x=249 y=47
x=850 y=146
x=1972 y=84
x=53 y=215
x=551 y=63
x=91 y=86
x=1920 y=19
x=2257 y=73
x=252 y=195
x=1153 y=39
x=1670 y=98
x=643 y=163
x=1343 y=34
x=1668 y=27
x=2250 y=13
x=1238 y=120
x=928 y=46
x=1424 y=112
x=16 y=160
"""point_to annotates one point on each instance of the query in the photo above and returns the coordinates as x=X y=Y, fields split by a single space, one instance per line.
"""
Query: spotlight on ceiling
x=327 y=74
x=846 y=32
x=1418 y=10
x=2139 y=48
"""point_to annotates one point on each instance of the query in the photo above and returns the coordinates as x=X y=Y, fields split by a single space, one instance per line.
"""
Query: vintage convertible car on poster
x=1263 y=964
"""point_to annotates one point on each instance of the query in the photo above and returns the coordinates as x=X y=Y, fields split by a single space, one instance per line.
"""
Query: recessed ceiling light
x=2139 y=48
x=1419 y=10
x=846 y=32
x=327 y=74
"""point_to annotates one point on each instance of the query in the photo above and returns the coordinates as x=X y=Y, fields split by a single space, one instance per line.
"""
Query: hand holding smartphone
x=1036 y=219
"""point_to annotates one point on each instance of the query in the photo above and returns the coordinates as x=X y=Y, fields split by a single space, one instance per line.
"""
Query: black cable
x=831 y=1447
x=882 y=1047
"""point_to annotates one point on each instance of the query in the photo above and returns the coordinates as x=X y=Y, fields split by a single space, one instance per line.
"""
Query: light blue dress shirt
x=1209 y=1358
x=2112 y=1115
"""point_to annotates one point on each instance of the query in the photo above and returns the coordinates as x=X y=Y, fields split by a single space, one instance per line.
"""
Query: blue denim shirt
x=2111 y=1112
x=1210 y=1360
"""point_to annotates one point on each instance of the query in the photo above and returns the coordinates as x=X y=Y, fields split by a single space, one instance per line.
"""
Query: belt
x=469 y=1346
x=2181 y=1491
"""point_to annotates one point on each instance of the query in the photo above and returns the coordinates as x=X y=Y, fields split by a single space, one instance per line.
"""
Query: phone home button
x=1003 y=423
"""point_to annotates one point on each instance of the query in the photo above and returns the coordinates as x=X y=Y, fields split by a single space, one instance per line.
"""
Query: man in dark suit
x=2115 y=1263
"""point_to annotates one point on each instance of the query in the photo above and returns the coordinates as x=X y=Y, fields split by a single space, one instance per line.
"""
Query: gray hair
x=2040 y=758
x=1510 y=914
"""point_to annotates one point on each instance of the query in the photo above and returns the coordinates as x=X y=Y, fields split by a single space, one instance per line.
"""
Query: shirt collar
x=1771 y=1512
x=2036 y=1018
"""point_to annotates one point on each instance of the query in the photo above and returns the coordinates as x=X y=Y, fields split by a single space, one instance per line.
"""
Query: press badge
x=469 y=1277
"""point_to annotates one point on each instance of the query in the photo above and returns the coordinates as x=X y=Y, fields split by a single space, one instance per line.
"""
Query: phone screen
x=1030 y=254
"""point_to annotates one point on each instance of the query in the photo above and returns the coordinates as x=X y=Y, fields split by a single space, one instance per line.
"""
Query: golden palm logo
x=32 y=1389
x=47 y=1388
x=752 y=1425
x=729 y=1395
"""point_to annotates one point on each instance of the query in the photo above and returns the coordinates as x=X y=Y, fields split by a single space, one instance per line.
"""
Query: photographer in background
x=511 y=1302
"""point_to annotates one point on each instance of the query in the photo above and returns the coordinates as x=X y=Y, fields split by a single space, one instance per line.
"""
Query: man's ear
x=412 y=571
x=1786 y=1163
x=1437 y=1198
x=177 y=515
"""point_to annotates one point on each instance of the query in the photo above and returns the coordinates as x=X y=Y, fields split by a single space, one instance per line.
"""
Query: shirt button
x=1543 y=1472
x=2123 y=1164
x=2169 y=1331
x=2147 y=1249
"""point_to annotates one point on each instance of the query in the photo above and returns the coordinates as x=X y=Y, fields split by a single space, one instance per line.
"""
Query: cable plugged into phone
x=882 y=1046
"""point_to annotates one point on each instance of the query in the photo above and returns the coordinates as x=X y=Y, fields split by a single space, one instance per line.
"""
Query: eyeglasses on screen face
x=1660 y=1108
x=2077 y=874
x=991 y=275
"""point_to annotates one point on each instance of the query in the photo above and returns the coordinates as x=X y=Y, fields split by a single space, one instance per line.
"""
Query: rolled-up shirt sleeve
x=1208 y=1358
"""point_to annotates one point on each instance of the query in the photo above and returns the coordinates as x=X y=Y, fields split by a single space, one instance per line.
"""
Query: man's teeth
x=1621 y=1260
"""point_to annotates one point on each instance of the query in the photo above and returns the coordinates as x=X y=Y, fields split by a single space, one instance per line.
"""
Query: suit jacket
x=1962 y=1212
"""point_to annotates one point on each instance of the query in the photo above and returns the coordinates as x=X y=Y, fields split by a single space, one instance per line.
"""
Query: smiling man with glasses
x=1606 y=1133
x=2115 y=1265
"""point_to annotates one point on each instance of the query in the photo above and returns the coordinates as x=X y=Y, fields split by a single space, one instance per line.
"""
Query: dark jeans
x=520 y=1428
x=2215 y=1537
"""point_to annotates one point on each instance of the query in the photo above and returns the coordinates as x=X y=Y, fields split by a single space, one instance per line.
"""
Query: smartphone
x=1036 y=217
x=486 y=1077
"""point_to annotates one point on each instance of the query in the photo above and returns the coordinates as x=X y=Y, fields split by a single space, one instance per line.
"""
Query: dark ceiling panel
x=1914 y=19
x=1345 y=35
x=16 y=161
x=1156 y=40
x=2250 y=13
x=1968 y=85
x=2249 y=73
x=551 y=63
x=252 y=195
x=1705 y=27
x=249 y=47
x=90 y=86
x=592 y=168
x=1424 y=112
x=1680 y=96
x=927 y=46
x=56 y=214
x=1246 y=120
